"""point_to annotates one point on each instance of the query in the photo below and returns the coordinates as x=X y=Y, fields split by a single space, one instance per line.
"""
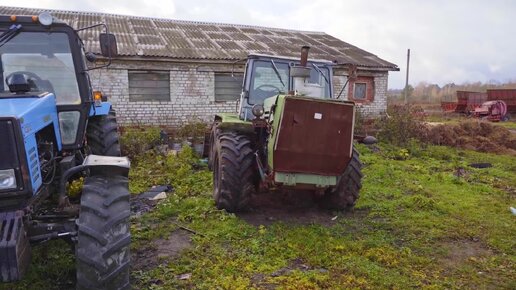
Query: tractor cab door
x=53 y=60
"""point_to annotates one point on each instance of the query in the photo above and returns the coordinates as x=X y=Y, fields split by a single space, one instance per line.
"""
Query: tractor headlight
x=257 y=110
x=7 y=179
x=45 y=18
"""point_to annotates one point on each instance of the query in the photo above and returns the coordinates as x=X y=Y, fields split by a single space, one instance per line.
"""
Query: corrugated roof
x=153 y=37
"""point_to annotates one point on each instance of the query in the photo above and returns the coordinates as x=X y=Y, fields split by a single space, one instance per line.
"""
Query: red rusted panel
x=506 y=95
x=467 y=101
x=475 y=100
x=314 y=137
x=462 y=101
x=448 y=106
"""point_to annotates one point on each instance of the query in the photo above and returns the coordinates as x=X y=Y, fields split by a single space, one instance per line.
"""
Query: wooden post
x=406 y=79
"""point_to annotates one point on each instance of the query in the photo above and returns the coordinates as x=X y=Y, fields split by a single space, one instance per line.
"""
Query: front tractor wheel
x=234 y=171
x=346 y=193
x=102 y=251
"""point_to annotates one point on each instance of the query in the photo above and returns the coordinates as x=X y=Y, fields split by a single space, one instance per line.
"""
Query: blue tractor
x=54 y=130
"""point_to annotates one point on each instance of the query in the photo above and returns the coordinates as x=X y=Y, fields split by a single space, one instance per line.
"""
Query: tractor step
x=14 y=246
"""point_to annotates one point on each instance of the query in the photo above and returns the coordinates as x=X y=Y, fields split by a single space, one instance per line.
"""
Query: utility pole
x=406 y=79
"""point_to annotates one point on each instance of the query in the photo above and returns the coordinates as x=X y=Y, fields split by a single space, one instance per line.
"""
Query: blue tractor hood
x=33 y=112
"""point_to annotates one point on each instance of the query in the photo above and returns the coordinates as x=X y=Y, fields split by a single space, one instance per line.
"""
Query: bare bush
x=402 y=124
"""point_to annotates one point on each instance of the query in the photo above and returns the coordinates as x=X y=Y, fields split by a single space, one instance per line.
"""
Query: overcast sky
x=450 y=41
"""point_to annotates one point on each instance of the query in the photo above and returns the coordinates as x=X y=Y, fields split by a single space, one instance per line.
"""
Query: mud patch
x=459 y=252
x=291 y=207
x=161 y=250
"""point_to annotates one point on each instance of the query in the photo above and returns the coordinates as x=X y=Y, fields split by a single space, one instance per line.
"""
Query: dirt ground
x=290 y=207
x=161 y=250
x=460 y=251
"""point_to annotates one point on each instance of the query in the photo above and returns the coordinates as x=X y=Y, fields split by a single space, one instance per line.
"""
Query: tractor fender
x=101 y=110
x=231 y=122
x=99 y=165
x=116 y=165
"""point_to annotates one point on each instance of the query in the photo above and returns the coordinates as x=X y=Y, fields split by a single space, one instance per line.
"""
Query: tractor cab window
x=320 y=75
x=268 y=78
x=318 y=84
x=46 y=60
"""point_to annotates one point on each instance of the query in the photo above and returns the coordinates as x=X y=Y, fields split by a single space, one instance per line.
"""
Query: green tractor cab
x=288 y=133
x=56 y=130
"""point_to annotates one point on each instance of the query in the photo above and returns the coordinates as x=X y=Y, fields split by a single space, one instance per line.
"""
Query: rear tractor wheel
x=346 y=193
x=102 y=135
x=213 y=136
x=234 y=171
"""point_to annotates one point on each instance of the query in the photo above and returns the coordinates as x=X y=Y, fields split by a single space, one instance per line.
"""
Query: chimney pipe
x=304 y=55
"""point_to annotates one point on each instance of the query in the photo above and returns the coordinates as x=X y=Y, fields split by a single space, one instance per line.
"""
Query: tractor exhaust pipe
x=304 y=55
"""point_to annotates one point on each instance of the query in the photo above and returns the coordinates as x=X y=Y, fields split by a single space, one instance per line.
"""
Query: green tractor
x=54 y=132
x=289 y=133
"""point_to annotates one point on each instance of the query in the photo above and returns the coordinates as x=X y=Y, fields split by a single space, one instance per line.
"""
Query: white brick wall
x=192 y=96
x=192 y=93
x=375 y=108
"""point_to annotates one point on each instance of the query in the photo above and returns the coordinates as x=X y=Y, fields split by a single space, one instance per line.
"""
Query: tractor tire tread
x=102 y=135
x=347 y=191
x=103 y=246
x=236 y=164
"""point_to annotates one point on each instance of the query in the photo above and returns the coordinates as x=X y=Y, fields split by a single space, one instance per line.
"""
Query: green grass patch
x=431 y=222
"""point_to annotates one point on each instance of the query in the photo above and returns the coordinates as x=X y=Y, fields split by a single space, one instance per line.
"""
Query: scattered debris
x=513 y=210
x=188 y=230
x=369 y=140
x=481 y=165
x=162 y=149
x=146 y=201
x=159 y=196
x=185 y=276
x=460 y=172
x=152 y=193
x=139 y=206
x=334 y=218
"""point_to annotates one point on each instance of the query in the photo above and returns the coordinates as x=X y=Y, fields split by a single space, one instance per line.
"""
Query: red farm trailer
x=466 y=102
x=508 y=96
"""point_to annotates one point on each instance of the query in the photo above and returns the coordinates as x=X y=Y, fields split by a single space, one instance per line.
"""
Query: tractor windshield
x=268 y=78
x=46 y=60
x=271 y=77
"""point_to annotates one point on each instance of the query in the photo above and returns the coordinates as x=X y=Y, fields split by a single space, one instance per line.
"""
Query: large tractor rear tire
x=346 y=193
x=213 y=136
x=102 y=135
x=234 y=171
x=102 y=251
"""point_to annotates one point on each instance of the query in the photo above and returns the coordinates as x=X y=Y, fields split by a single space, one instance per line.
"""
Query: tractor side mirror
x=108 y=46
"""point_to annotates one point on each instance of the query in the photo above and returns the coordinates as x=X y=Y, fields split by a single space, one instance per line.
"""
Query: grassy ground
x=425 y=219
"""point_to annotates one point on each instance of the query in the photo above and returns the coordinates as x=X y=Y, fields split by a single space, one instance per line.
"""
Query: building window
x=149 y=86
x=228 y=87
x=362 y=89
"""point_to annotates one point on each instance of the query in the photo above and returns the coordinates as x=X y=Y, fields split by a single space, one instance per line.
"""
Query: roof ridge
x=168 y=19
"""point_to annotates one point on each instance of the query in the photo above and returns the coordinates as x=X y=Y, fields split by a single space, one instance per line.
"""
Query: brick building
x=169 y=71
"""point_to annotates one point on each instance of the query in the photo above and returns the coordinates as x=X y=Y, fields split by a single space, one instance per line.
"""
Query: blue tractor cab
x=54 y=128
